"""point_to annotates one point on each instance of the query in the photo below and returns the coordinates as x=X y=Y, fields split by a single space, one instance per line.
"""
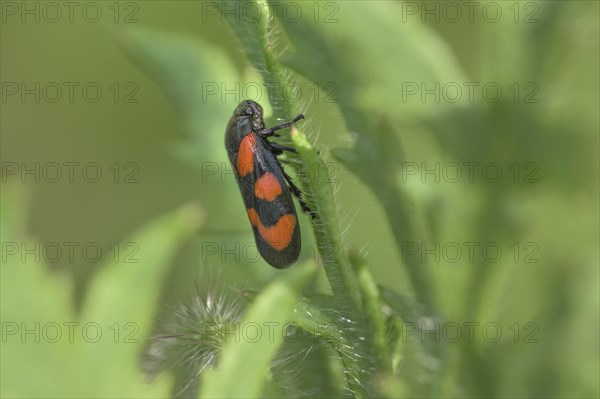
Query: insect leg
x=270 y=131
x=278 y=148
x=296 y=191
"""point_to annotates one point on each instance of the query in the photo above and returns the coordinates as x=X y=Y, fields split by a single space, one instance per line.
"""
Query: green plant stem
x=254 y=38
x=406 y=228
x=372 y=312
x=337 y=265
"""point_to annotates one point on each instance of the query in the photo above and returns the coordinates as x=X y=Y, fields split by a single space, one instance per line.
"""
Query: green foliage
x=373 y=321
x=78 y=352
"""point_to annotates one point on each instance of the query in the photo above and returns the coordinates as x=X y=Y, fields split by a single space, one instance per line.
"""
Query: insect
x=264 y=185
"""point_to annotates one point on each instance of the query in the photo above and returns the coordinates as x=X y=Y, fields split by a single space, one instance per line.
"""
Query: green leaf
x=188 y=70
x=81 y=354
x=372 y=76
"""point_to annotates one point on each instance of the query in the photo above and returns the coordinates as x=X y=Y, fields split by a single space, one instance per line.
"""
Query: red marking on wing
x=267 y=187
x=277 y=236
x=253 y=216
x=245 y=159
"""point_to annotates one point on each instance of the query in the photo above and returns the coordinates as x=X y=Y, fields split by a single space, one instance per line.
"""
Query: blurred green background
x=171 y=73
